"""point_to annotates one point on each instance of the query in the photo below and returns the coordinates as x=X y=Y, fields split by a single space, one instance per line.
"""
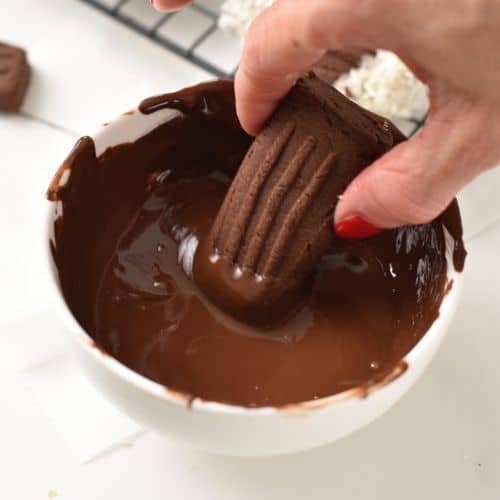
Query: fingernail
x=356 y=228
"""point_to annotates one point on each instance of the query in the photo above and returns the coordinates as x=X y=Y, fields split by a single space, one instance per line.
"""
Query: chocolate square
x=14 y=77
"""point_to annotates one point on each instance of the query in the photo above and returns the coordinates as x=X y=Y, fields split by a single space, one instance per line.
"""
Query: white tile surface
x=30 y=154
x=141 y=12
x=210 y=5
x=21 y=20
x=185 y=27
x=480 y=203
x=90 y=425
x=36 y=347
x=31 y=339
x=220 y=50
x=88 y=68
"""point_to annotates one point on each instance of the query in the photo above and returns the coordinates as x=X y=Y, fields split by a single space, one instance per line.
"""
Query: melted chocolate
x=127 y=226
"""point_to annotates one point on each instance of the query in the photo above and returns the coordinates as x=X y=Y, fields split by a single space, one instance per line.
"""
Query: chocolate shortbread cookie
x=276 y=220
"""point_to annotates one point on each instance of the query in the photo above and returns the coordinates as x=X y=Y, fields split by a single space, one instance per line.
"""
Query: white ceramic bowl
x=226 y=429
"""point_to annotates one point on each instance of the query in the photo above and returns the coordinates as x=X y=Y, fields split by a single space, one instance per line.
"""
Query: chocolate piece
x=14 y=77
x=125 y=228
x=276 y=221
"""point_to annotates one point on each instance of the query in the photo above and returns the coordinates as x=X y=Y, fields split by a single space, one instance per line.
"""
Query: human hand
x=169 y=5
x=451 y=45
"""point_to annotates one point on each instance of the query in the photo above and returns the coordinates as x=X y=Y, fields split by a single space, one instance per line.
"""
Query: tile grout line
x=49 y=124
x=489 y=227
x=118 y=446
x=202 y=38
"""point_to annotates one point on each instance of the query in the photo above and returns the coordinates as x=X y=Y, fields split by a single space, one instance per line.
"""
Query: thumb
x=414 y=182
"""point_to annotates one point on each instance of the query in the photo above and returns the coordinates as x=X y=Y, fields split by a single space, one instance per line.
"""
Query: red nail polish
x=356 y=228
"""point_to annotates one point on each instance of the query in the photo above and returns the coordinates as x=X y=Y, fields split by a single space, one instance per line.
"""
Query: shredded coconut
x=385 y=85
x=237 y=15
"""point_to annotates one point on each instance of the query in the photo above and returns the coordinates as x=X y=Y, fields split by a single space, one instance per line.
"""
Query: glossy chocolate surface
x=126 y=228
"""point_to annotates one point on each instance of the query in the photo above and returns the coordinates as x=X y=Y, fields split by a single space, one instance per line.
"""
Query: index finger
x=290 y=36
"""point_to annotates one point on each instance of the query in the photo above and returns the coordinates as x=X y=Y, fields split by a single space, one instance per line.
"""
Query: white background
x=442 y=440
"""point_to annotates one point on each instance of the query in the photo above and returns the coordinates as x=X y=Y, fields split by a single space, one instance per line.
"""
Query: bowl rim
x=155 y=389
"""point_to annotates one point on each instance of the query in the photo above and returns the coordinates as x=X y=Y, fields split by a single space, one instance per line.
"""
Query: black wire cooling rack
x=115 y=12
